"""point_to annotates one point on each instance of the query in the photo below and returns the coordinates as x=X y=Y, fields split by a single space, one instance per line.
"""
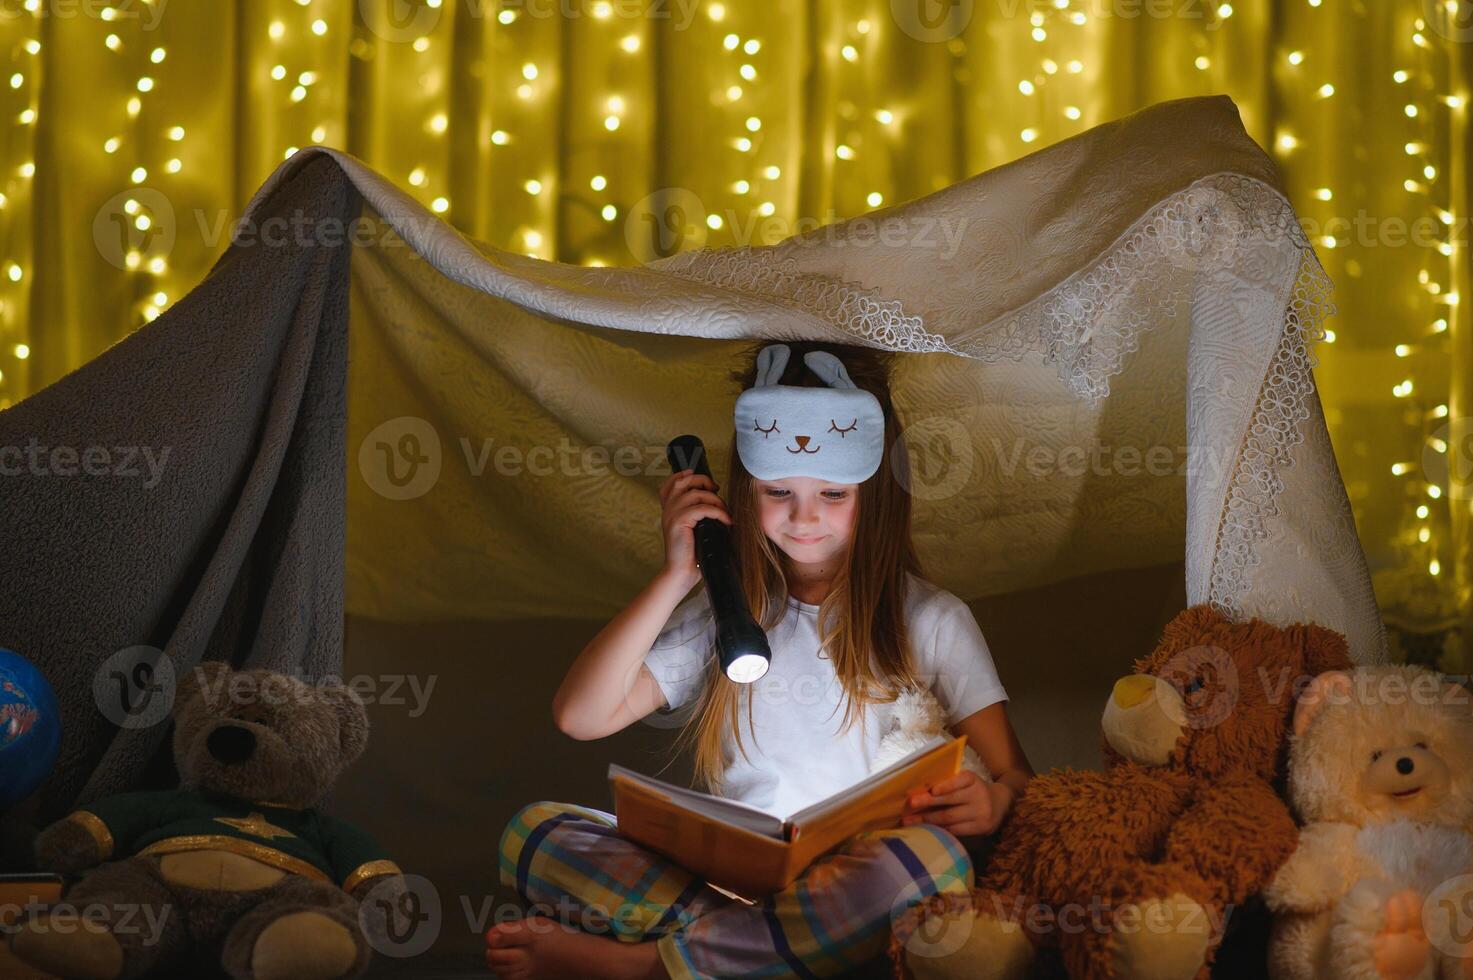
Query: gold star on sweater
x=256 y=825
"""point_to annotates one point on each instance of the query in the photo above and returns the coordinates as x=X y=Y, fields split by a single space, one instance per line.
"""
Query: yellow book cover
x=752 y=853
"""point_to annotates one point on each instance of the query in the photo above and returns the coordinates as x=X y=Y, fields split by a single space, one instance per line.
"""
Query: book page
x=732 y=812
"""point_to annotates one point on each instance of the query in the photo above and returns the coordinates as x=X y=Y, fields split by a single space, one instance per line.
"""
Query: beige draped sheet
x=1109 y=366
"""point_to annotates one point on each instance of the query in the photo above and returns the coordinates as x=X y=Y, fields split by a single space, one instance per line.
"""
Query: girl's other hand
x=685 y=498
x=963 y=804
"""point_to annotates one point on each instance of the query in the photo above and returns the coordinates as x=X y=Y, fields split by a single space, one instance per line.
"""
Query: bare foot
x=538 y=947
x=1401 y=946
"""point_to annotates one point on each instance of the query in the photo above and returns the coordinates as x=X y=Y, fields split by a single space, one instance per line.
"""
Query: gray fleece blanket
x=185 y=492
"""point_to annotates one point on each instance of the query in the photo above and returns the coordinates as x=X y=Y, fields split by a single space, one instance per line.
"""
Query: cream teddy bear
x=1381 y=884
x=914 y=718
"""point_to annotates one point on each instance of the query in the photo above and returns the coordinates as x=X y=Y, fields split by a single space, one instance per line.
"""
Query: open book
x=753 y=853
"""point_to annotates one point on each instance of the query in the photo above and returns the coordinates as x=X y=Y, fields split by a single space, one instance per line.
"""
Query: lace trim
x=1274 y=430
x=1091 y=322
x=766 y=273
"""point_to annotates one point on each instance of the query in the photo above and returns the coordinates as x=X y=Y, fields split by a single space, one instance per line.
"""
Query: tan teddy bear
x=237 y=868
x=1381 y=883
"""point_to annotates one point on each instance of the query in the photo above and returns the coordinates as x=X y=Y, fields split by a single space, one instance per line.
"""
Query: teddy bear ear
x=1328 y=688
x=1187 y=628
x=1324 y=649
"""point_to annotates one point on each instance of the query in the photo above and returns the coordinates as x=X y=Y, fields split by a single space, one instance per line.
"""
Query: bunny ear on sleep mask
x=835 y=433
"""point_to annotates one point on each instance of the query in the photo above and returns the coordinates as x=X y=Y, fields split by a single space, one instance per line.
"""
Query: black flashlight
x=741 y=644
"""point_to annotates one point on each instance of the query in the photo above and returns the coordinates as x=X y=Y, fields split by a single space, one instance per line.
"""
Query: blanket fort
x=1109 y=366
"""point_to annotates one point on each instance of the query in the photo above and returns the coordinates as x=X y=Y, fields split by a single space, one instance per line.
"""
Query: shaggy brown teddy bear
x=1131 y=872
x=236 y=864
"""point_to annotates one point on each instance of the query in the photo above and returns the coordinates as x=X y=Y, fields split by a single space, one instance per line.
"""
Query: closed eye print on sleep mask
x=835 y=433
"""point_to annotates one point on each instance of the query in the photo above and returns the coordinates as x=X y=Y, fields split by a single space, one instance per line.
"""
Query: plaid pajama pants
x=567 y=860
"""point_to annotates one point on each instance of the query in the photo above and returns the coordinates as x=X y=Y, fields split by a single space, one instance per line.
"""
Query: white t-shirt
x=797 y=752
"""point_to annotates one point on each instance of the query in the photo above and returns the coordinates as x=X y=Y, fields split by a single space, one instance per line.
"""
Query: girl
x=820 y=518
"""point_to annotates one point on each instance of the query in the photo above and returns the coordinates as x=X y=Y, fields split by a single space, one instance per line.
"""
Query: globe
x=30 y=728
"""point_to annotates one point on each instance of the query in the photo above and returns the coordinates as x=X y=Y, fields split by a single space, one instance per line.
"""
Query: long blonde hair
x=862 y=623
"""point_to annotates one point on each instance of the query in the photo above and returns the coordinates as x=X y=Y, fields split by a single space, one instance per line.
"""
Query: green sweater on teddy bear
x=303 y=841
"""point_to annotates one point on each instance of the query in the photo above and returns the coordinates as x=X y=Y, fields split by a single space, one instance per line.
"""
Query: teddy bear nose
x=1405 y=766
x=231 y=744
x=802 y=441
x=1131 y=691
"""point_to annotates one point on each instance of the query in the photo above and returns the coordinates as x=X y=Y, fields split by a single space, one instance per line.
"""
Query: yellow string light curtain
x=617 y=131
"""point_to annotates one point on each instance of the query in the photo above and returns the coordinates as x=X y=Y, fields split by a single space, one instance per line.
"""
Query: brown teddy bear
x=235 y=865
x=1381 y=774
x=1131 y=872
